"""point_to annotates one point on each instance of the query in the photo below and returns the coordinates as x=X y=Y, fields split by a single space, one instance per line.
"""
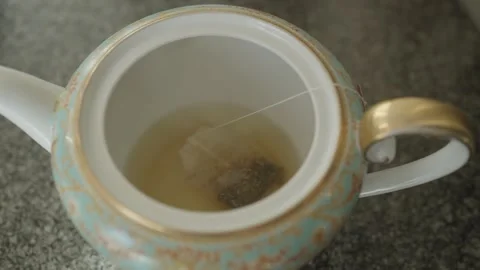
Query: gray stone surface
x=393 y=48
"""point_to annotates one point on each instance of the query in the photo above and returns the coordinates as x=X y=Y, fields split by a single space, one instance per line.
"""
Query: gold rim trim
x=412 y=115
x=293 y=214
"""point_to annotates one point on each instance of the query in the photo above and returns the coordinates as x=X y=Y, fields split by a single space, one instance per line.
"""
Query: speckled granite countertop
x=393 y=48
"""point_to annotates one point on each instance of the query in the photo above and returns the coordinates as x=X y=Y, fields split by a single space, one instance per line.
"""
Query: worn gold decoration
x=411 y=115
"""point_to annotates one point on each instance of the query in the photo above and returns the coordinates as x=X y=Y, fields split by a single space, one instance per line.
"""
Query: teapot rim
x=293 y=213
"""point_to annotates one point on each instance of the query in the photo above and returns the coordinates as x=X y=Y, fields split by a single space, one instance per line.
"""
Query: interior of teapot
x=142 y=131
x=196 y=144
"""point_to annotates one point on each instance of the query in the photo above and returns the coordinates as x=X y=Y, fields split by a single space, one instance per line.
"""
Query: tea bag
x=221 y=160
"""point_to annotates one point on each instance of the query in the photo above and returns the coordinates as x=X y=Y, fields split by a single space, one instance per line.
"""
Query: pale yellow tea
x=155 y=165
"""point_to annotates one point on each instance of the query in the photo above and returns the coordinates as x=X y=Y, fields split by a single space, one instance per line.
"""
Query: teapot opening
x=204 y=82
x=154 y=89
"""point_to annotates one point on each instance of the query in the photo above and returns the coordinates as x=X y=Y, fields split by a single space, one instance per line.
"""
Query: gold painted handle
x=413 y=116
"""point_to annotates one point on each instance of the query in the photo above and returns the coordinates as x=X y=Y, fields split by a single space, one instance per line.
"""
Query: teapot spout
x=28 y=102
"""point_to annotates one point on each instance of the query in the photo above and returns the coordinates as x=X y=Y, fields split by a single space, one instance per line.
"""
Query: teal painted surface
x=286 y=246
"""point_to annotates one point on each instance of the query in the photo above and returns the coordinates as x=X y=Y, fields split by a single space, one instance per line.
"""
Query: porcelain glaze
x=130 y=246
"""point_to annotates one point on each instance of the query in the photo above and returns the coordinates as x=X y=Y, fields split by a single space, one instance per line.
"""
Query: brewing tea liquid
x=155 y=166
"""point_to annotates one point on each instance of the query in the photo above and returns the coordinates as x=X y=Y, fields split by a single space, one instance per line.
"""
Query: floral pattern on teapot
x=284 y=246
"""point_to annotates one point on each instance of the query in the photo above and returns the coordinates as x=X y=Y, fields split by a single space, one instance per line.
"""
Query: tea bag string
x=286 y=100
x=209 y=153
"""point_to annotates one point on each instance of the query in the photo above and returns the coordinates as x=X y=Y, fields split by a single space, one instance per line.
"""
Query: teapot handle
x=28 y=102
x=408 y=116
